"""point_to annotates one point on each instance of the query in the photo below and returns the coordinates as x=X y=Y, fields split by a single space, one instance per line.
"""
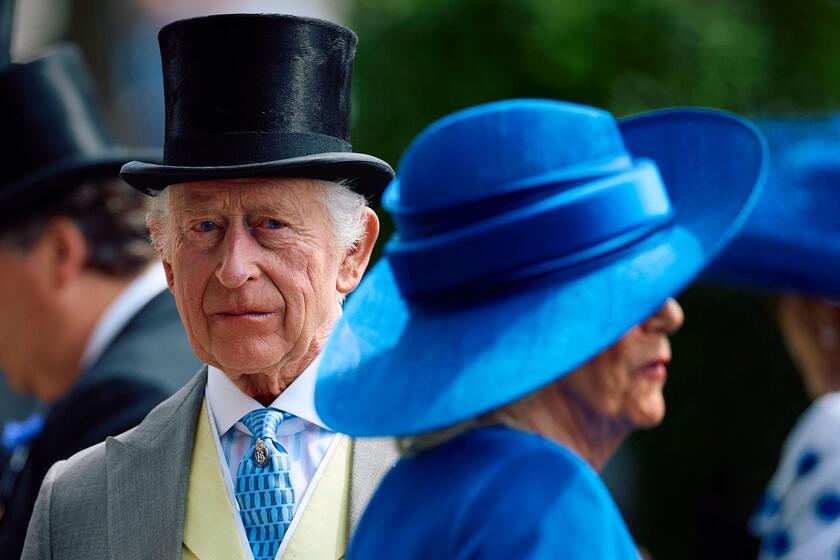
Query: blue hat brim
x=807 y=264
x=393 y=368
x=791 y=242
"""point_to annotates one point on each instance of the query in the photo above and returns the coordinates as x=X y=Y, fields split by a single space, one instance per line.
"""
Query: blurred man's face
x=253 y=269
x=26 y=305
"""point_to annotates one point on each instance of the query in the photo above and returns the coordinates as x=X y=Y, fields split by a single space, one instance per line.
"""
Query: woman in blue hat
x=790 y=246
x=516 y=330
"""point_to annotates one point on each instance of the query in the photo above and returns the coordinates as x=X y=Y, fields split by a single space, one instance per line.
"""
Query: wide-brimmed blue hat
x=531 y=235
x=791 y=242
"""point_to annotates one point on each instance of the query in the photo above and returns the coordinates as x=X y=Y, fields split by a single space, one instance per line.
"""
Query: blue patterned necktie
x=263 y=485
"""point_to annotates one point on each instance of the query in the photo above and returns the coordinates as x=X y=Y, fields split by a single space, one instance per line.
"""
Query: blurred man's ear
x=62 y=251
x=356 y=260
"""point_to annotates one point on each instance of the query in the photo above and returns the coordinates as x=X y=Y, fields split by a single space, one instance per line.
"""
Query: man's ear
x=63 y=251
x=170 y=276
x=356 y=259
x=157 y=238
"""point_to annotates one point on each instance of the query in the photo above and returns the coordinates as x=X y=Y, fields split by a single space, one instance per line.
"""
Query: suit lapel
x=372 y=459
x=148 y=469
x=209 y=533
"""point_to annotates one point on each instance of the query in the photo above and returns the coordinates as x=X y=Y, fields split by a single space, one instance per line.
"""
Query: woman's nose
x=668 y=319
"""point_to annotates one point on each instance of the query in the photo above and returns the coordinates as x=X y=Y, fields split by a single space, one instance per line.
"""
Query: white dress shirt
x=305 y=437
x=131 y=300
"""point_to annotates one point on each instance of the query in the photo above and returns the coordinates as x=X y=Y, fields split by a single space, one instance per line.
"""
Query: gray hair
x=345 y=206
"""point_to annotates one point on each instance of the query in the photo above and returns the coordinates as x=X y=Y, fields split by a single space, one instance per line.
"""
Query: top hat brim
x=410 y=369
x=41 y=187
x=367 y=175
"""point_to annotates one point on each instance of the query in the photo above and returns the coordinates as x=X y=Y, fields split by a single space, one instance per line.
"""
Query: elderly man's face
x=624 y=383
x=254 y=270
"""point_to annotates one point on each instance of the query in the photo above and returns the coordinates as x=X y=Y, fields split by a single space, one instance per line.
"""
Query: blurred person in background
x=12 y=406
x=87 y=325
x=791 y=247
x=516 y=331
x=260 y=215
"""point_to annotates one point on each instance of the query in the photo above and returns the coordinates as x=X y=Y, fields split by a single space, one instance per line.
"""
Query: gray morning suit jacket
x=124 y=498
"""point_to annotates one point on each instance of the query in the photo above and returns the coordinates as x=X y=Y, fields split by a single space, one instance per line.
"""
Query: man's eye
x=204 y=226
x=270 y=223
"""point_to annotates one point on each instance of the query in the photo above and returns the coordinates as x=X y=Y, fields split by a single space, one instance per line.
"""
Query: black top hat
x=258 y=96
x=54 y=131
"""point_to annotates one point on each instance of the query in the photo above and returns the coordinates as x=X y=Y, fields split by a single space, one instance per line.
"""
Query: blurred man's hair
x=111 y=216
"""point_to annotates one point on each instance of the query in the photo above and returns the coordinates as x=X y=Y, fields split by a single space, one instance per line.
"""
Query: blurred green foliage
x=420 y=59
x=688 y=487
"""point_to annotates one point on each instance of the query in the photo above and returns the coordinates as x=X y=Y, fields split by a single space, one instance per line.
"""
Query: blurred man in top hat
x=87 y=324
x=262 y=221
x=12 y=406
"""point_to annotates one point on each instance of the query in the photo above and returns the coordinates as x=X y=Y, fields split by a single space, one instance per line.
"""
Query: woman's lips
x=656 y=370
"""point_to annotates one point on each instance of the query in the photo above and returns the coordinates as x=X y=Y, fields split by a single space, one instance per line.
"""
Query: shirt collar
x=228 y=403
x=132 y=299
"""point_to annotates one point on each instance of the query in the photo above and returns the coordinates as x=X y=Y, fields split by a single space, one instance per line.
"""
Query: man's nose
x=239 y=257
x=667 y=320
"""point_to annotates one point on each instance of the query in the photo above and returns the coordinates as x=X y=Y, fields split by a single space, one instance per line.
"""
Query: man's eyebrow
x=280 y=210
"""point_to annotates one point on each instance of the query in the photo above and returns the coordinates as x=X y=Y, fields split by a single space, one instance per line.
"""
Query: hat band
x=425 y=222
x=244 y=148
x=552 y=234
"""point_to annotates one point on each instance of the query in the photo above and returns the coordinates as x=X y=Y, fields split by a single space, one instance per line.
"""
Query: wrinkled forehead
x=288 y=196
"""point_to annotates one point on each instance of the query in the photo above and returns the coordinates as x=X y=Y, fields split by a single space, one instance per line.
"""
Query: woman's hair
x=409 y=446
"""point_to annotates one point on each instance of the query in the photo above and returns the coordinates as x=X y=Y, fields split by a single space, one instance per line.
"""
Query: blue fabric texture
x=791 y=242
x=531 y=235
x=493 y=493
x=22 y=432
x=263 y=485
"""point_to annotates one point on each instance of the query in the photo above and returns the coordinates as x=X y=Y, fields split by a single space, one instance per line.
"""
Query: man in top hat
x=260 y=214
x=87 y=324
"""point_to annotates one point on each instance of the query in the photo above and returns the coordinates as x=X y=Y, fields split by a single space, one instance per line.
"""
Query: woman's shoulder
x=535 y=487
x=529 y=462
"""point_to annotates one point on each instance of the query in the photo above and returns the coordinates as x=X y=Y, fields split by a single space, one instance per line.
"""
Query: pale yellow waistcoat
x=210 y=528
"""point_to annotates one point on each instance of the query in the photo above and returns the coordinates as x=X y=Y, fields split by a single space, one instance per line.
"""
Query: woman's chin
x=649 y=414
